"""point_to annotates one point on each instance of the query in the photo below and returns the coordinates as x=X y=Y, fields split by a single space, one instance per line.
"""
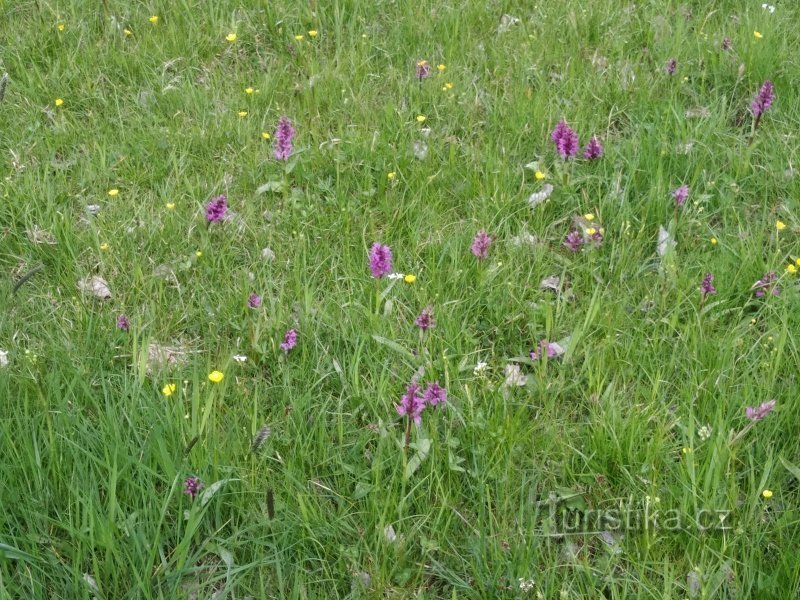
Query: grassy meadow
x=207 y=397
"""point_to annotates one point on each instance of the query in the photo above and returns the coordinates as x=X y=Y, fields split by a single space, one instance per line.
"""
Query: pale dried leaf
x=96 y=286
x=37 y=235
x=389 y=534
x=698 y=112
x=540 y=196
x=665 y=242
x=514 y=376
x=507 y=22
x=420 y=150
x=3 y=358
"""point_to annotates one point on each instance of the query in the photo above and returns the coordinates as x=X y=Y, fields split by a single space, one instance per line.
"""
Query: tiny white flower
x=768 y=7
x=480 y=368
x=704 y=432
x=394 y=276
x=240 y=358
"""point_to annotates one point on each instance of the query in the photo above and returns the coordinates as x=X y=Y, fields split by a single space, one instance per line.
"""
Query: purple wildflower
x=122 y=323
x=380 y=260
x=192 y=486
x=480 y=245
x=216 y=209
x=411 y=404
x=763 y=100
x=289 y=340
x=434 y=394
x=767 y=282
x=594 y=149
x=423 y=69
x=574 y=240
x=425 y=319
x=707 y=288
x=680 y=195
x=759 y=412
x=670 y=67
x=727 y=44
x=566 y=140
x=596 y=236
x=254 y=301
x=283 y=139
x=544 y=348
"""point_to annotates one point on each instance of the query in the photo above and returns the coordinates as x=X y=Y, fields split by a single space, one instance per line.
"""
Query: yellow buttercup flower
x=780 y=225
x=61 y=27
x=153 y=19
x=421 y=118
x=170 y=205
x=767 y=494
x=539 y=175
x=713 y=241
x=391 y=175
x=104 y=246
x=447 y=87
x=198 y=253
x=791 y=269
x=215 y=376
x=127 y=32
x=589 y=217
x=59 y=102
x=248 y=91
x=298 y=38
x=797 y=262
x=264 y=135
x=410 y=278
x=169 y=389
x=591 y=231
x=113 y=192
x=312 y=33
x=686 y=450
x=441 y=68
x=231 y=37
x=242 y=113
x=757 y=35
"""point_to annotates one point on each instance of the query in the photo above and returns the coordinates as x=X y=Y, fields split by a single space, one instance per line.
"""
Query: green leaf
x=423 y=449
x=362 y=490
x=11 y=553
x=793 y=469
x=393 y=345
x=270 y=186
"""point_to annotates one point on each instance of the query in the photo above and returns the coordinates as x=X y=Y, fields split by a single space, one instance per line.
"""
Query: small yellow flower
x=264 y=135
x=198 y=253
x=312 y=33
x=298 y=38
x=249 y=91
x=61 y=27
x=169 y=389
x=170 y=205
x=113 y=192
x=713 y=241
x=767 y=494
x=447 y=87
x=791 y=269
x=421 y=118
x=104 y=246
x=591 y=231
x=127 y=32
x=780 y=225
x=539 y=175
x=59 y=102
x=410 y=278
x=215 y=376
x=685 y=79
x=589 y=217
x=686 y=450
x=757 y=35
x=231 y=37
x=441 y=68
x=797 y=262
x=153 y=19
x=391 y=175
x=242 y=113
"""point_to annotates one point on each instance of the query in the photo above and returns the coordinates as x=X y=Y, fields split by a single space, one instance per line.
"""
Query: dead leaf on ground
x=96 y=286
